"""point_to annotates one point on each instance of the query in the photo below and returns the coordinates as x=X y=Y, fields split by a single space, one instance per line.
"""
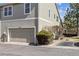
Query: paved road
x=22 y=50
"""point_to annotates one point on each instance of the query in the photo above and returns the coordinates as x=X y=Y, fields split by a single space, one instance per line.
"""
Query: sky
x=62 y=9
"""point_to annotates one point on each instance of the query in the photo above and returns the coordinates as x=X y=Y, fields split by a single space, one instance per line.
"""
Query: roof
x=2 y=4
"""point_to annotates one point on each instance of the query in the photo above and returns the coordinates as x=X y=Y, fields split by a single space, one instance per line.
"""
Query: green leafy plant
x=44 y=37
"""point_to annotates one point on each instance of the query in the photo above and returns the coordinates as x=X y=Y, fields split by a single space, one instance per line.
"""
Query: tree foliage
x=70 y=20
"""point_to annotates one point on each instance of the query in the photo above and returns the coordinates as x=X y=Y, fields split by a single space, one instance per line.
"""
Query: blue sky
x=62 y=9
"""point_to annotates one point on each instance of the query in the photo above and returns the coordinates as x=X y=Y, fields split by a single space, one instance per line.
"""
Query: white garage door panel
x=21 y=34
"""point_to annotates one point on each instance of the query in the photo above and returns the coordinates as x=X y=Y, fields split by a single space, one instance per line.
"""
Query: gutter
x=6 y=4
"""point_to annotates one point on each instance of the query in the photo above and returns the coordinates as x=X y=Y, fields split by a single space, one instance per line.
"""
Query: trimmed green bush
x=44 y=37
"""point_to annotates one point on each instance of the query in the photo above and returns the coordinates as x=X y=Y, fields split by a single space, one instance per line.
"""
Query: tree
x=76 y=7
x=70 y=19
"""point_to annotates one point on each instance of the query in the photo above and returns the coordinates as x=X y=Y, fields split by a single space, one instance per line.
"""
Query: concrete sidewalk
x=15 y=43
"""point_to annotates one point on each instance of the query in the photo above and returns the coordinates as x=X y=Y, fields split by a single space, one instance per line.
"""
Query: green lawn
x=75 y=39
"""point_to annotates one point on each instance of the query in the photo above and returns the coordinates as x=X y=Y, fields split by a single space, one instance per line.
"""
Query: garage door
x=21 y=34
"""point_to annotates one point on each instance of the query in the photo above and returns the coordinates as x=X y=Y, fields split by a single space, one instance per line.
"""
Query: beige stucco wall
x=43 y=14
x=42 y=18
x=18 y=12
x=21 y=23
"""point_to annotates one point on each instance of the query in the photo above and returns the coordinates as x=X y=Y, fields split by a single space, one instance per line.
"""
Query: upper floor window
x=8 y=11
x=57 y=18
x=27 y=8
x=54 y=16
x=49 y=13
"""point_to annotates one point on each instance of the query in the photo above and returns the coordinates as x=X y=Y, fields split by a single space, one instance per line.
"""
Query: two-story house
x=21 y=21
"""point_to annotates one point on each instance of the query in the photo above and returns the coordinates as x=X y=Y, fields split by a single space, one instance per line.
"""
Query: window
x=27 y=8
x=49 y=13
x=57 y=18
x=54 y=16
x=8 y=11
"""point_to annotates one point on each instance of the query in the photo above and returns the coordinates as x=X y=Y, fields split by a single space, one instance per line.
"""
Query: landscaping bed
x=69 y=35
x=74 y=39
x=70 y=41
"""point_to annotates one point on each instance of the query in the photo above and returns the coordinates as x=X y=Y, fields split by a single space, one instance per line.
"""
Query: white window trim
x=7 y=7
x=24 y=9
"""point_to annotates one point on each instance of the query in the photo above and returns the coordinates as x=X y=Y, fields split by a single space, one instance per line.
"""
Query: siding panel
x=18 y=12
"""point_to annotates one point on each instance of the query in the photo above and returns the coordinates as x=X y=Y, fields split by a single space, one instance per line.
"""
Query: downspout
x=60 y=36
x=59 y=15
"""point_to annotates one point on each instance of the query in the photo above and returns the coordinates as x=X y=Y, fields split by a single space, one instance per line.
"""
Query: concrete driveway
x=23 y=50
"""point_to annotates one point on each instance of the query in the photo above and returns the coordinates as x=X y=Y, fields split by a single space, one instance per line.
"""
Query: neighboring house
x=21 y=21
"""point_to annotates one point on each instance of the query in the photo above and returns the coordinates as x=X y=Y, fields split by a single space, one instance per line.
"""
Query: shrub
x=44 y=37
